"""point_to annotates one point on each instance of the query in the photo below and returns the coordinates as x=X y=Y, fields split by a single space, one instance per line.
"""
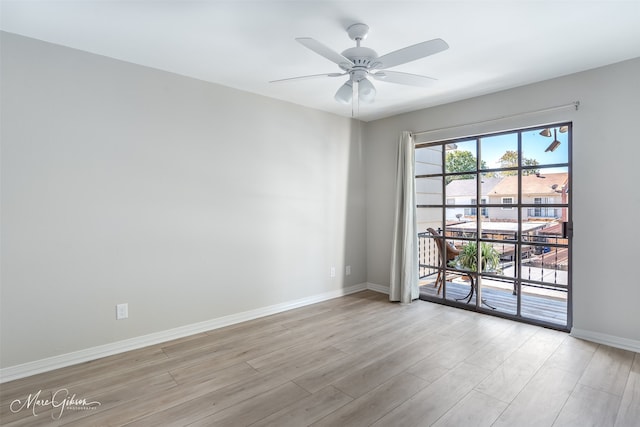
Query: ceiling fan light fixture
x=366 y=91
x=359 y=62
x=546 y=132
x=345 y=93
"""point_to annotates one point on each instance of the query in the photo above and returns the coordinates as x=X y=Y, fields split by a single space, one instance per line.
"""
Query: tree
x=461 y=161
x=510 y=160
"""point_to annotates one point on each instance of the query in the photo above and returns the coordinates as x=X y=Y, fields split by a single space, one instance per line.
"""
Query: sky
x=533 y=147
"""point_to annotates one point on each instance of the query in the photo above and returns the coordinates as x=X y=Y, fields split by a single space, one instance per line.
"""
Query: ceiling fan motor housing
x=360 y=56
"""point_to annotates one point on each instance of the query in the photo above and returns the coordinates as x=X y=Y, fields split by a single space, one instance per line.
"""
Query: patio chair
x=450 y=254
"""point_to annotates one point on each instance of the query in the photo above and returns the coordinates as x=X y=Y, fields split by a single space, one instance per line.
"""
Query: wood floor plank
x=475 y=409
x=249 y=411
x=371 y=375
x=233 y=353
x=371 y=406
x=608 y=370
x=308 y=410
x=508 y=379
x=429 y=369
x=572 y=355
x=208 y=369
x=223 y=338
x=189 y=409
x=318 y=322
x=480 y=334
x=303 y=363
x=305 y=312
x=502 y=346
x=332 y=372
x=106 y=401
x=87 y=371
x=353 y=360
x=540 y=401
x=542 y=345
x=283 y=355
x=152 y=403
x=432 y=402
x=325 y=375
x=396 y=330
x=629 y=412
x=589 y=407
x=457 y=324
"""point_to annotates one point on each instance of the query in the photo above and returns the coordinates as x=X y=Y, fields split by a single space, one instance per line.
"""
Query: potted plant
x=468 y=257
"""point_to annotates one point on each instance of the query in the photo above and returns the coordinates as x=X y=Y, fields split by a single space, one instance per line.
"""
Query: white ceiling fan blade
x=325 y=51
x=403 y=78
x=410 y=53
x=312 y=76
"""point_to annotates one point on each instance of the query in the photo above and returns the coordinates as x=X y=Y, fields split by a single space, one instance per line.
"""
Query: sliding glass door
x=494 y=220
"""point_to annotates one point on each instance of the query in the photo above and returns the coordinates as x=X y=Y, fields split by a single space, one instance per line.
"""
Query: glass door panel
x=499 y=151
x=428 y=161
x=545 y=264
x=501 y=204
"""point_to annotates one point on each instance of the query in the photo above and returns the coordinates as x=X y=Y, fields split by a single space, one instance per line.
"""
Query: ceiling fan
x=361 y=62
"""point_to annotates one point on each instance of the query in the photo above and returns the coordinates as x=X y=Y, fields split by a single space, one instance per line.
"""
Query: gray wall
x=187 y=200
x=606 y=198
x=191 y=201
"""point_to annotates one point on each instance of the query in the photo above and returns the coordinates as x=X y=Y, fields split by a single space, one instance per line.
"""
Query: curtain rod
x=575 y=104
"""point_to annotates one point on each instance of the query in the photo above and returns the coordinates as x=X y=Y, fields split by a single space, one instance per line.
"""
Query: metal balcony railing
x=544 y=257
x=544 y=212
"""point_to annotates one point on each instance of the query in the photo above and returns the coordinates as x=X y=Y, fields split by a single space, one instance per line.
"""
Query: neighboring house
x=462 y=192
x=539 y=189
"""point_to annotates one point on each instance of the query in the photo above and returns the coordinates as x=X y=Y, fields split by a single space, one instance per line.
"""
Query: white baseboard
x=36 y=367
x=610 y=340
x=378 y=288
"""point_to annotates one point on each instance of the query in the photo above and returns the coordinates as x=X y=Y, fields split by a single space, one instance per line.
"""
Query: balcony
x=544 y=213
x=543 y=274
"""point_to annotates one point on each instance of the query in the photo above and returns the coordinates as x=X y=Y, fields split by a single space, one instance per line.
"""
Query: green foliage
x=461 y=161
x=468 y=258
x=465 y=161
x=510 y=159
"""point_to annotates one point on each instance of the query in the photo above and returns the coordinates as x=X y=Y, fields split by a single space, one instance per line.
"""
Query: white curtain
x=404 y=254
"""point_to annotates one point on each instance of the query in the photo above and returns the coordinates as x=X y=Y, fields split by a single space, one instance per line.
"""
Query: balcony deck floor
x=534 y=307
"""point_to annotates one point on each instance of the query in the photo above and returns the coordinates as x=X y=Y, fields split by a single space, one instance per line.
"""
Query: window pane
x=550 y=186
x=429 y=191
x=499 y=151
x=455 y=215
x=462 y=158
x=428 y=254
x=428 y=160
x=541 y=150
x=428 y=217
x=545 y=269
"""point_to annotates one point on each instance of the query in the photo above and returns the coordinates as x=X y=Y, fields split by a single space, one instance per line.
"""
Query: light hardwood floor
x=352 y=361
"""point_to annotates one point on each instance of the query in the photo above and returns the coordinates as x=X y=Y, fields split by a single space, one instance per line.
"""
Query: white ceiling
x=494 y=45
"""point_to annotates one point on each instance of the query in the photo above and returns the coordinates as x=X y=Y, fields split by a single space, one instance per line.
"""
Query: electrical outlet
x=122 y=311
x=333 y=272
x=347 y=270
